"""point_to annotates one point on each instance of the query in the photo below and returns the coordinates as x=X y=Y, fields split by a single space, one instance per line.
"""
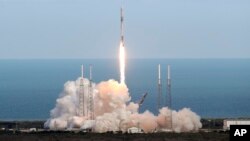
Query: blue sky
x=153 y=28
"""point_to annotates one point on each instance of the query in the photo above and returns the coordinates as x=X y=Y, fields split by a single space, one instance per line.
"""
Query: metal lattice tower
x=159 y=88
x=90 y=96
x=81 y=111
x=169 y=99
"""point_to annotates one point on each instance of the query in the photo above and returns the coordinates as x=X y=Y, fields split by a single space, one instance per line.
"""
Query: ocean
x=213 y=88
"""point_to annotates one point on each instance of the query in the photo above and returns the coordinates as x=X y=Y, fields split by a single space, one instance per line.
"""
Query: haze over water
x=210 y=87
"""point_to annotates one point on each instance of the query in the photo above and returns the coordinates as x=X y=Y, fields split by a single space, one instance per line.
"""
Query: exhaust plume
x=114 y=111
x=122 y=63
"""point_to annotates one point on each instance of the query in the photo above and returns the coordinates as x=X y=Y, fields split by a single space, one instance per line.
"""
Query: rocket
x=122 y=32
x=122 y=51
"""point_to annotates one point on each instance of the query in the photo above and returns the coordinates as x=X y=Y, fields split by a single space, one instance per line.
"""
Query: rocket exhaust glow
x=122 y=53
x=122 y=63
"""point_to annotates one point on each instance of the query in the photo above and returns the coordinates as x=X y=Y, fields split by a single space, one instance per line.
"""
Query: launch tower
x=169 y=99
x=159 y=88
x=90 y=96
x=81 y=111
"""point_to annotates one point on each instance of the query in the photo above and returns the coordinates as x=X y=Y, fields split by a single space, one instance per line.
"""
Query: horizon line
x=118 y=58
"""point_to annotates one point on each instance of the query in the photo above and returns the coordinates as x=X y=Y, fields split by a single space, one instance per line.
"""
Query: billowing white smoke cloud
x=114 y=111
x=183 y=121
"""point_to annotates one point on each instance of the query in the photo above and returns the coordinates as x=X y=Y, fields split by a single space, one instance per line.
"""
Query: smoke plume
x=114 y=111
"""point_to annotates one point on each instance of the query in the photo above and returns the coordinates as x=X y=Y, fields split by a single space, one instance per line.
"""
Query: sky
x=51 y=29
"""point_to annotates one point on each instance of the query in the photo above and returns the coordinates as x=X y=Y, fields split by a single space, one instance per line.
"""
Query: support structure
x=159 y=105
x=141 y=101
x=90 y=96
x=81 y=111
x=169 y=99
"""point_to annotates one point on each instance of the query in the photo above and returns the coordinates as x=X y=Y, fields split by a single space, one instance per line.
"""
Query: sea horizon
x=212 y=88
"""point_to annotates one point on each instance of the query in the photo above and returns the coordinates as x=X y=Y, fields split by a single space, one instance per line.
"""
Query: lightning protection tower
x=90 y=96
x=169 y=99
x=81 y=96
x=159 y=88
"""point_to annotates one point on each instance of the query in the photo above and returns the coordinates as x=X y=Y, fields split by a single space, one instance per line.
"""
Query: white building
x=228 y=122
x=134 y=130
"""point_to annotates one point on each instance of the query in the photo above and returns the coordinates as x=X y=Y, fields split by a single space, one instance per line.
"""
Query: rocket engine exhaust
x=122 y=63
